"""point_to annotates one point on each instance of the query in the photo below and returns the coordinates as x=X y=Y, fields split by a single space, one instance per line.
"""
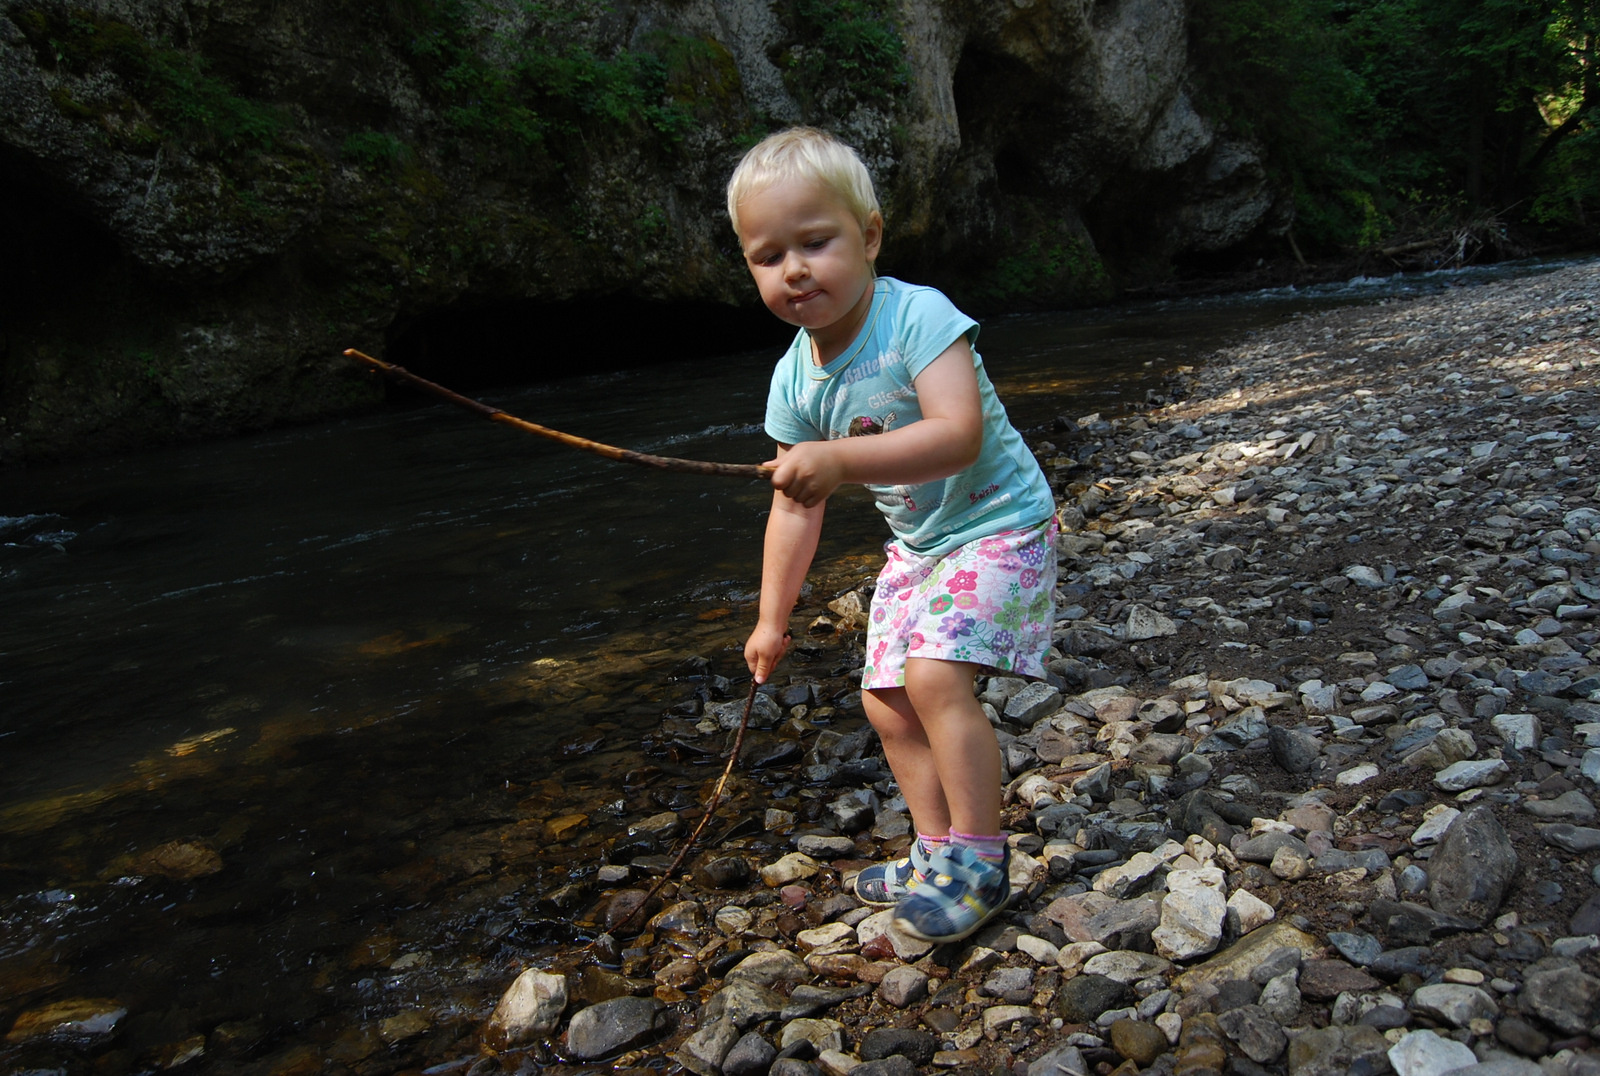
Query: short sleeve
x=784 y=422
x=928 y=323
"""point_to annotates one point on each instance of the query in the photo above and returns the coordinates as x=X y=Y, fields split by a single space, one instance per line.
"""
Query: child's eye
x=816 y=244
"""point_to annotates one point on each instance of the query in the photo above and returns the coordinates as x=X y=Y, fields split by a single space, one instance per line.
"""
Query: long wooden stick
x=494 y=414
x=705 y=819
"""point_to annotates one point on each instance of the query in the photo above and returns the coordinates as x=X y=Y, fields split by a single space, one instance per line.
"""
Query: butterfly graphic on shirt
x=862 y=425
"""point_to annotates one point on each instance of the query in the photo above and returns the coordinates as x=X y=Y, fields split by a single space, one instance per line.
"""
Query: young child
x=882 y=387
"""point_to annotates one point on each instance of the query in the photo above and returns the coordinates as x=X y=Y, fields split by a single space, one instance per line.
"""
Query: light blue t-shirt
x=871 y=390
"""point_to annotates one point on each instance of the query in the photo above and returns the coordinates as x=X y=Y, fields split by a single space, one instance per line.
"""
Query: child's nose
x=794 y=265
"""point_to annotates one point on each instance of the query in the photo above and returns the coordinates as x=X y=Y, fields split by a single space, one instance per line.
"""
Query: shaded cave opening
x=63 y=277
x=479 y=344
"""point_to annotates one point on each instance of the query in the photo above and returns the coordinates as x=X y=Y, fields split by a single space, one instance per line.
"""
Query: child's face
x=810 y=257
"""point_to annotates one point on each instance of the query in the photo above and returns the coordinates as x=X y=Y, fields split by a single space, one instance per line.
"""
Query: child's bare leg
x=905 y=745
x=963 y=748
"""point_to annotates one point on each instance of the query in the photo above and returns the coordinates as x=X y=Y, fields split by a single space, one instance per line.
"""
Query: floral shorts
x=991 y=601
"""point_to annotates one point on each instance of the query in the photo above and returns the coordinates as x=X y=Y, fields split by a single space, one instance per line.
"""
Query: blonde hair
x=804 y=153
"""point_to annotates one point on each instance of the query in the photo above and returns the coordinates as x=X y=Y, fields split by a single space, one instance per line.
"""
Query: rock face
x=205 y=205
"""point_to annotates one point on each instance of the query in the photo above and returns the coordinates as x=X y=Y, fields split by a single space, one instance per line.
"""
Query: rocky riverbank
x=1311 y=791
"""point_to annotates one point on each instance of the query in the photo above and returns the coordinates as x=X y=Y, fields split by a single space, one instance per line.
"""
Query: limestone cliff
x=205 y=201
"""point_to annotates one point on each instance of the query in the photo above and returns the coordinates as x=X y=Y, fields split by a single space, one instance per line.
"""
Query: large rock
x=1563 y=996
x=1473 y=867
x=530 y=1009
x=612 y=1026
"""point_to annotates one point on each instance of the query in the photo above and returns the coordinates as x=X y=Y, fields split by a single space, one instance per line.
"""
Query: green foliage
x=1570 y=191
x=844 y=52
x=1044 y=271
x=1271 y=71
x=374 y=149
x=1388 y=116
x=519 y=72
x=187 y=100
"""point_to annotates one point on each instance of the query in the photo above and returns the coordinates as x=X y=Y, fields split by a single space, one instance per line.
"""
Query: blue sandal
x=888 y=883
x=960 y=893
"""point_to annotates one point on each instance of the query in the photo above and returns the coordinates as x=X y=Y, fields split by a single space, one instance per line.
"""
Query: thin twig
x=625 y=455
x=705 y=819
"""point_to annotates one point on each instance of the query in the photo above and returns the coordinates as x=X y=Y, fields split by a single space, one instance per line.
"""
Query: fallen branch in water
x=624 y=455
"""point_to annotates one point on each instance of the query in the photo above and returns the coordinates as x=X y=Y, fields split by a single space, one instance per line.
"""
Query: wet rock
x=72 y=1020
x=723 y=872
x=705 y=1051
x=791 y=868
x=531 y=1009
x=181 y=861
x=765 y=969
x=613 y=1026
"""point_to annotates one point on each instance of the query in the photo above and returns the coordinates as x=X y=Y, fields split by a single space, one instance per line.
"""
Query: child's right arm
x=791 y=542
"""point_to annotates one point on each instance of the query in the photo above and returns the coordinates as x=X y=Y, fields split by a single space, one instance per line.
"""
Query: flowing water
x=273 y=710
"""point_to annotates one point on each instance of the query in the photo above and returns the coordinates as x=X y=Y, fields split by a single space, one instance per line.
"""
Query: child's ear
x=872 y=235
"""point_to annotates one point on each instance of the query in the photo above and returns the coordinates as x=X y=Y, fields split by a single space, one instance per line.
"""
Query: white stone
x=1042 y=952
x=791 y=868
x=1355 y=775
x=1454 y=1003
x=1363 y=576
x=1246 y=911
x=1521 y=731
x=1281 y=997
x=1424 y=1053
x=880 y=925
x=1121 y=880
x=1478 y=773
x=825 y=935
x=530 y=1009
x=1146 y=623
x=1191 y=923
x=1073 y=955
x=1126 y=966
x=1435 y=820
x=1212 y=877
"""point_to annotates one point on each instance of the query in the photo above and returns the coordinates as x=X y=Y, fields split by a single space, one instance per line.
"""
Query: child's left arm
x=946 y=440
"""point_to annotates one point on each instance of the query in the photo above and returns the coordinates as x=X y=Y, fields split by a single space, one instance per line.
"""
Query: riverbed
x=270 y=703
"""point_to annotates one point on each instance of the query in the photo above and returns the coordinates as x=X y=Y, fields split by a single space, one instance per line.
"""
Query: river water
x=269 y=707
